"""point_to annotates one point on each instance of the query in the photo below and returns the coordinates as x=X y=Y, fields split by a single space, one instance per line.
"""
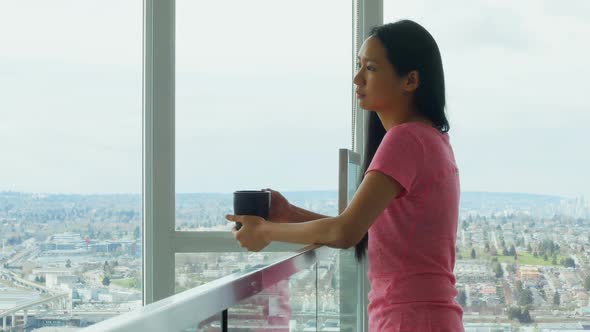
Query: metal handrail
x=189 y=308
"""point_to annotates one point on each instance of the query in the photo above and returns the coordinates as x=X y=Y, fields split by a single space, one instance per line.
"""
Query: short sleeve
x=400 y=156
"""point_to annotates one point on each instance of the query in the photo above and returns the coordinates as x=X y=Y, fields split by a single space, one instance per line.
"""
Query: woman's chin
x=364 y=105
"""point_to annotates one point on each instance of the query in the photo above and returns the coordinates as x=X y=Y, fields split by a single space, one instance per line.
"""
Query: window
x=263 y=100
x=516 y=84
x=70 y=177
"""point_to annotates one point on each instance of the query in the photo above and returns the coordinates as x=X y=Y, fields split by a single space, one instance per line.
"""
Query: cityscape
x=69 y=261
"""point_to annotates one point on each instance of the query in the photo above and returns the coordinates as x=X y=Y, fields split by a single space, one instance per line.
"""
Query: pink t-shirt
x=412 y=242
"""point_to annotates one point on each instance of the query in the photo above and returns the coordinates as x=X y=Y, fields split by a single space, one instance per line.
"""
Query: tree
x=498 y=270
x=136 y=232
x=462 y=298
x=526 y=297
x=106 y=281
x=587 y=283
x=525 y=317
x=556 y=298
x=505 y=252
x=473 y=253
x=513 y=313
x=529 y=249
x=522 y=314
x=554 y=261
x=68 y=263
x=512 y=251
x=545 y=258
x=569 y=262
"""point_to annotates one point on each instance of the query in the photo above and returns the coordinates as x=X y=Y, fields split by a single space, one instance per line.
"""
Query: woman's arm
x=300 y=215
x=345 y=230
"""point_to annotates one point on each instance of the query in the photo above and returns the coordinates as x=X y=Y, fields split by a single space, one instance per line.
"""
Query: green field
x=523 y=257
x=529 y=259
x=127 y=283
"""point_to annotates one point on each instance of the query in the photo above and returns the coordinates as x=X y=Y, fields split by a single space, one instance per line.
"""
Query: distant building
x=63 y=242
x=89 y=294
x=488 y=289
x=473 y=272
x=53 y=280
x=528 y=272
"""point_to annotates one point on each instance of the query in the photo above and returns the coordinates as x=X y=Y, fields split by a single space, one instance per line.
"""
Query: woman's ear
x=411 y=82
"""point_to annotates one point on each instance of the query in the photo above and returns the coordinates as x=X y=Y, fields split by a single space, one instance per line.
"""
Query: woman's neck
x=391 y=119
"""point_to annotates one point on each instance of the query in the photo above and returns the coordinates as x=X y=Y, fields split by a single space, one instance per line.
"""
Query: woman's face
x=379 y=88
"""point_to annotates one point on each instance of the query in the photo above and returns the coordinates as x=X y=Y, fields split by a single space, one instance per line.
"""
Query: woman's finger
x=241 y=218
x=232 y=217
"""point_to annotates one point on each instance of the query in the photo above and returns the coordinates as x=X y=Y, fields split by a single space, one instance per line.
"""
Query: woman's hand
x=281 y=210
x=251 y=234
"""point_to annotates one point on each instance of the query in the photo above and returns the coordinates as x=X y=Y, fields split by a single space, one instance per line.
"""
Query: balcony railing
x=281 y=295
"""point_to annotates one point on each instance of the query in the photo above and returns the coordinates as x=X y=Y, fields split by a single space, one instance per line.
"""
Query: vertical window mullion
x=158 y=148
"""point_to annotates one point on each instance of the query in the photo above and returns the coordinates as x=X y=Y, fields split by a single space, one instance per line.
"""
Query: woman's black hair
x=408 y=46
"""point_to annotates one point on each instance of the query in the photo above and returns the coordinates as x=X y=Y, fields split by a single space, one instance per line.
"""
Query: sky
x=264 y=100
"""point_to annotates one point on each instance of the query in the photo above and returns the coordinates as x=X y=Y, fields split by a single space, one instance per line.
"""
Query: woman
x=409 y=195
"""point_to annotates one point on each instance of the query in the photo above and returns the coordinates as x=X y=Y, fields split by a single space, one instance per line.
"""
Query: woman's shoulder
x=418 y=126
x=419 y=130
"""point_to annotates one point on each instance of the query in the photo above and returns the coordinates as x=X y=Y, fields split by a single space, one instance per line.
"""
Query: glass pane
x=522 y=240
x=195 y=269
x=70 y=177
x=264 y=102
x=289 y=305
x=328 y=291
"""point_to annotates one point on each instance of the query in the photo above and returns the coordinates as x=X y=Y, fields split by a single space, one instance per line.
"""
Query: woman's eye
x=370 y=68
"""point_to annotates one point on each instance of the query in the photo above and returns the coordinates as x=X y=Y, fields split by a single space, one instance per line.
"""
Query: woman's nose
x=356 y=80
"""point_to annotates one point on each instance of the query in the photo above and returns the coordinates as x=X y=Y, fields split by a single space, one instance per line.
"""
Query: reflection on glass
x=288 y=305
x=286 y=301
x=195 y=269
